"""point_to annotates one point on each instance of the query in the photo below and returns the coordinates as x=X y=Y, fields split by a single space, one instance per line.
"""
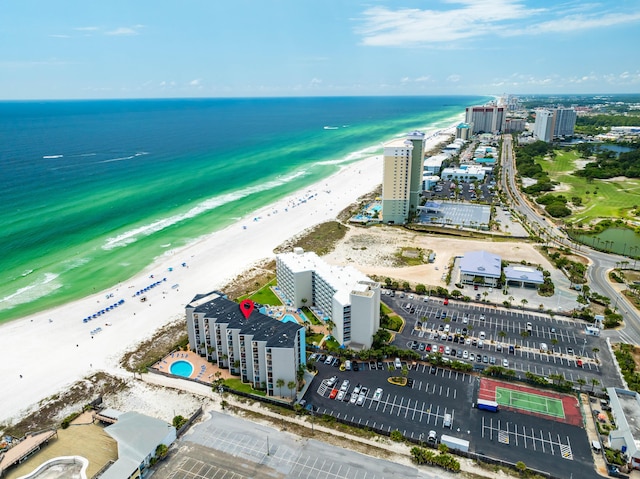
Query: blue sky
x=230 y=48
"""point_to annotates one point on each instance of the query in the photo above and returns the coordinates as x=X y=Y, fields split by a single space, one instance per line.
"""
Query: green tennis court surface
x=529 y=402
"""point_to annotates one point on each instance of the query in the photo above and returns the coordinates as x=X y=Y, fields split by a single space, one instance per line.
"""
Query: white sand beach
x=43 y=353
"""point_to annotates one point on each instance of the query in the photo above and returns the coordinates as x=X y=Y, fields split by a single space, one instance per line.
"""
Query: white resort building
x=259 y=348
x=341 y=294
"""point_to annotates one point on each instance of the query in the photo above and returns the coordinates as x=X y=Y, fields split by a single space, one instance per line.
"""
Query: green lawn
x=264 y=295
x=600 y=198
x=314 y=338
x=238 y=385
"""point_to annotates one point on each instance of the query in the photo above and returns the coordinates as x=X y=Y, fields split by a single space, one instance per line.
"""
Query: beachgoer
x=21 y=376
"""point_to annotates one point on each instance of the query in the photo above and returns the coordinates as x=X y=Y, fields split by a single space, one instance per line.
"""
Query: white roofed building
x=465 y=173
x=341 y=294
x=524 y=276
x=480 y=267
x=625 y=408
x=137 y=436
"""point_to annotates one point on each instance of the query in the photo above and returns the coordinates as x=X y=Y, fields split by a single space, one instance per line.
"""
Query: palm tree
x=511 y=298
x=291 y=385
x=524 y=334
x=524 y=302
x=502 y=334
x=279 y=384
x=594 y=383
x=581 y=382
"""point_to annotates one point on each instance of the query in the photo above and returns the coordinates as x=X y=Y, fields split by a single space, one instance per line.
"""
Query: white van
x=482 y=335
x=398 y=363
x=347 y=365
x=447 y=421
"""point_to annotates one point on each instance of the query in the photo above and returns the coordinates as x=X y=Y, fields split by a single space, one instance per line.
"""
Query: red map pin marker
x=246 y=306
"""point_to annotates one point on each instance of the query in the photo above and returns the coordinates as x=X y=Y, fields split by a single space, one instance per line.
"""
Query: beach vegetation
x=320 y=239
x=171 y=337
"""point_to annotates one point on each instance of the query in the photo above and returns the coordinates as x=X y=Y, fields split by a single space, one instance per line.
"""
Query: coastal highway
x=601 y=262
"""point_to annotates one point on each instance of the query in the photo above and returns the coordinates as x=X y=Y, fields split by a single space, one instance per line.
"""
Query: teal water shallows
x=93 y=191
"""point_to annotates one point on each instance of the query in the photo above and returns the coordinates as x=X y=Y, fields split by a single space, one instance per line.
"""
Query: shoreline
x=47 y=351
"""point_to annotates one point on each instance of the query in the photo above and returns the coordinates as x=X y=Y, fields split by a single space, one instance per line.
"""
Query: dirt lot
x=374 y=252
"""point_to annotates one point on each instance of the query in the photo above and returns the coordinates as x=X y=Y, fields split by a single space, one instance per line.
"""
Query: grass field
x=530 y=402
x=264 y=295
x=600 y=198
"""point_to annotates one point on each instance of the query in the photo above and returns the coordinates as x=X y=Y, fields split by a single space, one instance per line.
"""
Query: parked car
x=505 y=363
x=355 y=366
x=334 y=393
x=377 y=395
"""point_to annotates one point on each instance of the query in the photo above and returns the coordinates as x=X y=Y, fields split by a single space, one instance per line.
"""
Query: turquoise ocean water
x=93 y=191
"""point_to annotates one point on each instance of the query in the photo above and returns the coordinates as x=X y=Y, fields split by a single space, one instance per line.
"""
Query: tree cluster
x=426 y=456
x=609 y=164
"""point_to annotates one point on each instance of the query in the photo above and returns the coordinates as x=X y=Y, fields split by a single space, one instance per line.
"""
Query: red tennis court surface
x=572 y=412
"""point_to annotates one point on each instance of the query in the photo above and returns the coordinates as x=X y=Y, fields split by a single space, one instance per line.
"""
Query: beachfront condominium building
x=486 y=118
x=340 y=294
x=403 y=164
x=259 y=348
x=554 y=123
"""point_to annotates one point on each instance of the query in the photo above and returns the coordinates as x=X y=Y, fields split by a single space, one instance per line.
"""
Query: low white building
x=464 y=173
x=259 y=348
x=340 y=294
x=625 y=408
x=481 y=268
x=433 y=164
x=137 y=436
x=523 y=276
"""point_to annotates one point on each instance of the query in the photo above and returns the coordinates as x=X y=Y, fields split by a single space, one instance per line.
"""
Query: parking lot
x=223 y=446
x=442 y=400
x=431 y=396
x=484 y=336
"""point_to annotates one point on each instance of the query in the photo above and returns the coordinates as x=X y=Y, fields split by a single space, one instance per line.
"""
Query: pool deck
x=203 y=370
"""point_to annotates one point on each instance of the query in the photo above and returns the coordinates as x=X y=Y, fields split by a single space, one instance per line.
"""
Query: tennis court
x=530 y=402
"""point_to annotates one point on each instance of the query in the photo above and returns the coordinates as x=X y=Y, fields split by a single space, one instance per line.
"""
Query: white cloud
x=59 y=36
x=454 y=78
x=385 y=26
x=584 y=22
x=86 y=29
x=315 y=82
x=123 y=31
x=195 y=82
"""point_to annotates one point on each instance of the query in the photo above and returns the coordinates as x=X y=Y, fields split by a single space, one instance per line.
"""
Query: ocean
x=94 y=191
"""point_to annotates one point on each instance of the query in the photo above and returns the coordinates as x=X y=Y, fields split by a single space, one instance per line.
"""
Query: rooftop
x=263 y=328
x=481 y=263
x=524 y=273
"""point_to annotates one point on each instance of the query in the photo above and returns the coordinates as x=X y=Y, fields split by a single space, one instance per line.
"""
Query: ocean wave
x=133 y=235
x=124 y=158
x=353 y=156
x=52 y=157
x=43 y=286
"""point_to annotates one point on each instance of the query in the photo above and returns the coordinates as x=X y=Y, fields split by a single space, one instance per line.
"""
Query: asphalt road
x=601 y=262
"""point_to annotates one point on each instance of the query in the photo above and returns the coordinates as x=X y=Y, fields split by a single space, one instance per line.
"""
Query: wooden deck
x=26 y=447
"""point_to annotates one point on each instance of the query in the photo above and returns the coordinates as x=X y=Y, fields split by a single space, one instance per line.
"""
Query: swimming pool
x=288 y=319
x=181 y=368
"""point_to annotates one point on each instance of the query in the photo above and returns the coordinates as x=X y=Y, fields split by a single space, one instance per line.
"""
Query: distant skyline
x=73 y=49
